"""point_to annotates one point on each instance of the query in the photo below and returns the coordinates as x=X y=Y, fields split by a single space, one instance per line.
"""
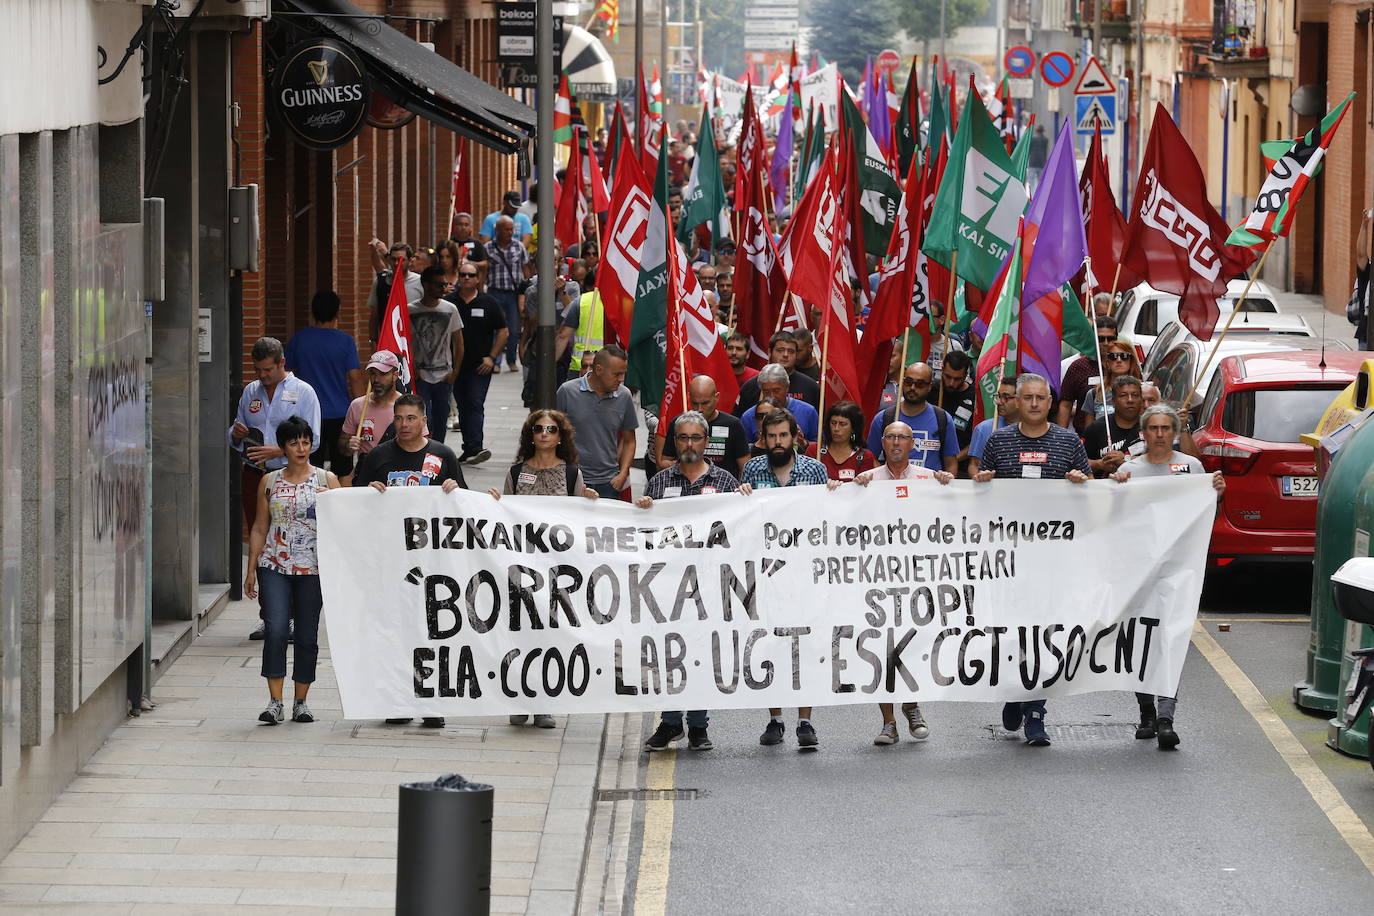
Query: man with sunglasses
x=936 y=440
x=1081 y=375
x=1033 y=448
x=484 y=339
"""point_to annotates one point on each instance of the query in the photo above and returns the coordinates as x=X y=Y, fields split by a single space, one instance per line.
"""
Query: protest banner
x=457 y=604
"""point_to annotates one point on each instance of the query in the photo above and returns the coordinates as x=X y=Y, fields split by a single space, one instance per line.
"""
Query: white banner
x=462 y=605
x=822 y=87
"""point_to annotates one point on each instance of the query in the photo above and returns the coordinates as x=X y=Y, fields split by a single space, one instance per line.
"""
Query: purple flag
x=1056 y=213
x=781 y=165
x=879 y=117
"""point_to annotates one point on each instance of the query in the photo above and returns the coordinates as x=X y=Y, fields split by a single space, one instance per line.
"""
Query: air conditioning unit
x=239 y=9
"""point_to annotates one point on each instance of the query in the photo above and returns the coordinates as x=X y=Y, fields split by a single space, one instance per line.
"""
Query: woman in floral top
x=282 y=544
x=545 y=465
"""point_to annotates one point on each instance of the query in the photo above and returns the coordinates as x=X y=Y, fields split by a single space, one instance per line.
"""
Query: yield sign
x=1094 y=80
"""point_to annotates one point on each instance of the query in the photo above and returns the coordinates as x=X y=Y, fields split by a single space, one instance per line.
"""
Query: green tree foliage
x=920 y=19
x=722 y=37
x=849 y=32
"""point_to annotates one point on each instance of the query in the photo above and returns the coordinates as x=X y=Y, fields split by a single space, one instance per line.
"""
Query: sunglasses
x=468 y=276
x=1106 y=340
x=550 y=429
x=1117 y=357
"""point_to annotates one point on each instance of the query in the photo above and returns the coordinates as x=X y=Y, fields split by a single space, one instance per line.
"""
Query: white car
x=1179 y=368
x=1247 y=326
x=1144 y=311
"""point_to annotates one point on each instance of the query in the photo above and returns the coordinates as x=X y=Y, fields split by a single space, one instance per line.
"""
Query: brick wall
x=1345 y=193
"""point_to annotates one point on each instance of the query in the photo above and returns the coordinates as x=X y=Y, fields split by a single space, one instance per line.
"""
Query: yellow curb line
x=651 y=882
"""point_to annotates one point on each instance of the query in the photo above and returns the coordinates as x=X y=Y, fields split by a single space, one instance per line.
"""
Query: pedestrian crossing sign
x=1091 y=110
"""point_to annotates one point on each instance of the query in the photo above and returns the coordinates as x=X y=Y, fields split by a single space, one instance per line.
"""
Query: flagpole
x=1116 y=278
x=1097 y=350
x=825 y=360
x=1235 y=310
x=949 y=307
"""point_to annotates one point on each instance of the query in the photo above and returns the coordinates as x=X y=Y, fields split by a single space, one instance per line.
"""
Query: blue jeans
x=696 y=718
x=472 y=403
x=510 y=307
x=436 y=395
x=280 y=595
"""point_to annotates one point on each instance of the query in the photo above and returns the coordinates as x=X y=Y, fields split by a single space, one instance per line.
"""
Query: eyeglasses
x=896 y=437
x=917 y=382
x=1003 y=396
x=1117 y=357
x=468 y=276
x=550 y=429
x=684 y=437
x=1106 y=340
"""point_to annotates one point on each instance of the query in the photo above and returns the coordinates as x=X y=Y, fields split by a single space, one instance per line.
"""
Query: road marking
x=651 y=882
x=1256 y=619
x=1300 y=762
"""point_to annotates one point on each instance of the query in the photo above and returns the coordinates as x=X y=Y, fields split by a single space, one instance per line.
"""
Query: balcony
x=1118 y=24
x=1236 y=49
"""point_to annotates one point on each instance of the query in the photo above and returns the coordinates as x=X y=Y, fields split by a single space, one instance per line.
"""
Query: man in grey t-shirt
x=602 y=411
x=1159 y=427
x=436 y=348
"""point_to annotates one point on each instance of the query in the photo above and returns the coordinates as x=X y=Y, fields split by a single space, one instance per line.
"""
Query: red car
x=1248 y=427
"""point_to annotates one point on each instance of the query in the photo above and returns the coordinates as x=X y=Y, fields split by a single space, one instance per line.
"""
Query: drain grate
x=1074 y=732
x=615 y=795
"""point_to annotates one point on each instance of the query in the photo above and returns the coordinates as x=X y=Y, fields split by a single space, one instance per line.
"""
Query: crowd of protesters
x=315 y=419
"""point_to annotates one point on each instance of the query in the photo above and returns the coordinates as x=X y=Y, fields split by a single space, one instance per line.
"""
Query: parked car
x=1257 y=407
x=1180 y=369
x=1247 y=325
x=1145 y=311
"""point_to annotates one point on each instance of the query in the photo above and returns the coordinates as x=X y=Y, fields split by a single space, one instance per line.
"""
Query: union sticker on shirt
x=1180 y=469
x=1034 y=457
x=366 y=430
x=255 y=405
x=432 y=466
x=709 y=490
x=927 y=445
x=846 y=473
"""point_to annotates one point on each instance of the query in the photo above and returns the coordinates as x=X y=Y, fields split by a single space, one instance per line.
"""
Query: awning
x=422 y=81
x=591 y=72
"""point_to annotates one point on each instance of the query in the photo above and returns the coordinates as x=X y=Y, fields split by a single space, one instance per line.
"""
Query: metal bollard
x=443 y=848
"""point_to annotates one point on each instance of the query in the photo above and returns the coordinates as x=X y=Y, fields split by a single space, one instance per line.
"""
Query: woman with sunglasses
x=842 y=449
x=1118 y=358
x=545 y=465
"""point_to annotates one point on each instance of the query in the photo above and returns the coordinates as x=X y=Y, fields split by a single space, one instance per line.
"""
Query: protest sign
x=457 y=604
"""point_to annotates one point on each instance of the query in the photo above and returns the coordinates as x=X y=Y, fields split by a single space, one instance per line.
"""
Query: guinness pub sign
x=321 y=93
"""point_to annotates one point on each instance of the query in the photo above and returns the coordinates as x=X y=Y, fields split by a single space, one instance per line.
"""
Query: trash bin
x=443 y=848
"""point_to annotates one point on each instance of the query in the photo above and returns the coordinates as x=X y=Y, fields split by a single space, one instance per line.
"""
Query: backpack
x=568 y=469
x=941 y=419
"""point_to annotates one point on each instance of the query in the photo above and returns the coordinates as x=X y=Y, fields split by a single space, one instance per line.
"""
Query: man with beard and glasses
x=368 y=421
x=781 y=466
x=897 y=465
x=693 y=475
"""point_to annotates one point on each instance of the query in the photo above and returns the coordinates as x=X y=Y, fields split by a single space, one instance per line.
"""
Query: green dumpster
x=1355 y=739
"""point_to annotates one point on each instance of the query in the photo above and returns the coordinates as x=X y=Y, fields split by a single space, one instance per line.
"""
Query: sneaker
x=664 y=736
x=1168 y=738
x=772 y=733
x=477 y=457
x=520 y=719
x=544 y=720
x=1146 y=729
x=888 y=735
x=806 y=736
x=405 y=721
x=273 y=713
x=432 y=721
x=916 y=723
x=1035 y=729
x=1011 y=716
x=698 y=740
x=301 y=713
x=260 y=632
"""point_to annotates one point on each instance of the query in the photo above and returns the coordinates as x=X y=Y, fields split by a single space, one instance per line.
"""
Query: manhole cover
x=615 y=795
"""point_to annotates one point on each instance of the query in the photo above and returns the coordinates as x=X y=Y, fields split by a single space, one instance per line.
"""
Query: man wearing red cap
x=368 y=420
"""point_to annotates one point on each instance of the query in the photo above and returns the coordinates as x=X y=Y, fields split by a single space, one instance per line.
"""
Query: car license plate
x=1298 y=486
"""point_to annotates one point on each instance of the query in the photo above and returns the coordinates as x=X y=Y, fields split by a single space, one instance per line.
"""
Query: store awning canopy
x=591 y=72
x=420 y=80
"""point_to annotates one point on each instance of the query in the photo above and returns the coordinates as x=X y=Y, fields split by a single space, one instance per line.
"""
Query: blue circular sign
x=1019 y=60
x=1056 y=68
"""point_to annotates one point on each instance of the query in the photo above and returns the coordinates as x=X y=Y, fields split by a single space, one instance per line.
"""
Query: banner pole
x=949 y=307
x=825 y=361
x=1235 y=310
x=1116 y=277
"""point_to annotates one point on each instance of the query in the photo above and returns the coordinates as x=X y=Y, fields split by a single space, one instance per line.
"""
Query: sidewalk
x=196 y=807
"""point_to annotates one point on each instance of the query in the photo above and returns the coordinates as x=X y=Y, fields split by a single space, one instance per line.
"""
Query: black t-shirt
x=1096 y=444
x=472 y=250
x=392 y=465
x=725 y=446
x=959 y=405
x=483 y=317
x=801 y=386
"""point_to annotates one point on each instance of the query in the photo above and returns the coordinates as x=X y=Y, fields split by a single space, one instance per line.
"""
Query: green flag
x=1078 y=332
x=973 y=221
x=704 y=196
x=879 y=193
x=648 y=364
x=939 y=119
x=1020 y=156
x=907 y=130
x=998 y=358
x=813 y=148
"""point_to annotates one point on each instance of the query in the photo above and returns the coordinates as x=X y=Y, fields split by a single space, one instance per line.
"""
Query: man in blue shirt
x=781 y=466
x=510 y=206
x=1006 y=414
x=935 y=442
x=326 y=359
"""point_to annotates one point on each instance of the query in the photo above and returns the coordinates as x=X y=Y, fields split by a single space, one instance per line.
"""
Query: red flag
x=601 y=198
x=572 y=203
x=694 y=347
x=808 y=239
x=760 y=281
x=1176 y=240
x=1103 y=222
x=395 y=332
x=836 y=338
x=618 y=275
x=749 y=158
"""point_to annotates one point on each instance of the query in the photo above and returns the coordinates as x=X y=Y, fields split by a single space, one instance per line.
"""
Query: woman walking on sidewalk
x=545 y=465
x=284 y=548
